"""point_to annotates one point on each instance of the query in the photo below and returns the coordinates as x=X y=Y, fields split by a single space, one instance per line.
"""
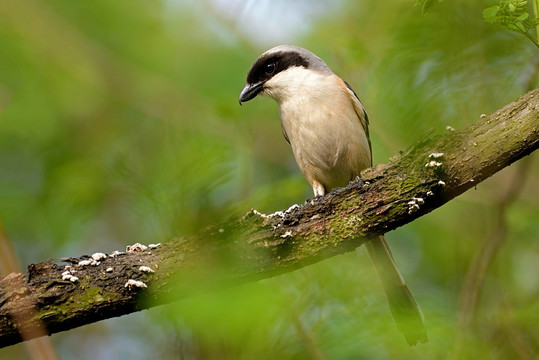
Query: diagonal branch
x=257 y=246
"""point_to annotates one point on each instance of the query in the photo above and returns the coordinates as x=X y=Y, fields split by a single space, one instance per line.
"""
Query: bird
x=326 y=126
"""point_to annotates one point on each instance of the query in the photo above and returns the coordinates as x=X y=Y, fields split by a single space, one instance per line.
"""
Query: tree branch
x=256 y=246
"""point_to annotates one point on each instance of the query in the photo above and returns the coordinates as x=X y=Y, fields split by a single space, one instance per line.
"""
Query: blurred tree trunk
x=256 y=246
x=38 y=347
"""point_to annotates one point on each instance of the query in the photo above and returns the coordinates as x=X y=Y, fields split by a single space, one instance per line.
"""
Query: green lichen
x=81 y=300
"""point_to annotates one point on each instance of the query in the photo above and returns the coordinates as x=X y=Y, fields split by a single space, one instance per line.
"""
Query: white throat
x=297 y=84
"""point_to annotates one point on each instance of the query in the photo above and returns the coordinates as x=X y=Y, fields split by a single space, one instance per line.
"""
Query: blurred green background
x=119 y=123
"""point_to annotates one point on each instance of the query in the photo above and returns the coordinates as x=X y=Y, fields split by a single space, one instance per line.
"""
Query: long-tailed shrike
x=327 y=127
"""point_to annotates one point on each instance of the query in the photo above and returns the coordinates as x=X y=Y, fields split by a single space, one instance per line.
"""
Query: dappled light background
x=120 y=123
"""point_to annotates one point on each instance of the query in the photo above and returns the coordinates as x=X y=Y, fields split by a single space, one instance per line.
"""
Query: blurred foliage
x=119 y=123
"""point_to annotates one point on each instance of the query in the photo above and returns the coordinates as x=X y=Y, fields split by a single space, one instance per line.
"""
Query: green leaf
x=523 y=17
x=426 y=5
x=490 y=14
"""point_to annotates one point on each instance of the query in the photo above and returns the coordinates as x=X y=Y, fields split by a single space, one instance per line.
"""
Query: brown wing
x=361 y=113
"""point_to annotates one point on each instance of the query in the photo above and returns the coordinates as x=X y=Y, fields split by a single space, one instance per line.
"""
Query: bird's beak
x=250 y=91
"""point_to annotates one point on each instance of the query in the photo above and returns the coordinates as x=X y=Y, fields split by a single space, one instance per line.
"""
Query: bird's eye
x=269 y=68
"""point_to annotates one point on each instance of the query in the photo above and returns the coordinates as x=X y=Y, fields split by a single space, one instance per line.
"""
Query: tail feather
x=405 y=311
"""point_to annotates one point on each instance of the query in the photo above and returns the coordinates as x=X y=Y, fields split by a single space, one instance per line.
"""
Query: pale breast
x=326 y=134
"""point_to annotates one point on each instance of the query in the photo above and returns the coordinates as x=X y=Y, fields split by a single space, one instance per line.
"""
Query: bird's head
x=281 y=71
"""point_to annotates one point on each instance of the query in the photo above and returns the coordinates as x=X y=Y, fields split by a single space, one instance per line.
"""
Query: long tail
x=406 y=312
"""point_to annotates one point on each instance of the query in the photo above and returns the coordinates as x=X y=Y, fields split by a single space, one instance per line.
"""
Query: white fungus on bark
x=85 y=262
x=138 y=247
x=146 y=269
x=99 y=256
x=131 y=283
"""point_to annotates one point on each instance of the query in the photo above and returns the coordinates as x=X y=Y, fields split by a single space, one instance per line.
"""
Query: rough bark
x=256 y=246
